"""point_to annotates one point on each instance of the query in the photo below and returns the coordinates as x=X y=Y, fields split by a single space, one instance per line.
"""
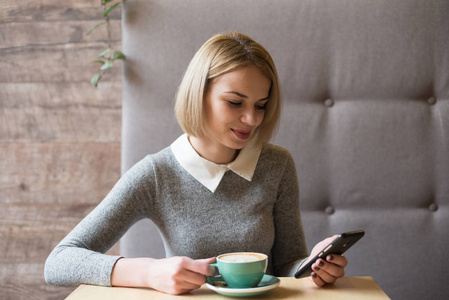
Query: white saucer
x=267 y=283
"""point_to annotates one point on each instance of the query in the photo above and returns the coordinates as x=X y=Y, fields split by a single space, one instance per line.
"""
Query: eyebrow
x=244 y=96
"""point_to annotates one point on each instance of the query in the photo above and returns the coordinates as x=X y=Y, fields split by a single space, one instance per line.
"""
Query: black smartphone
x=339 y=245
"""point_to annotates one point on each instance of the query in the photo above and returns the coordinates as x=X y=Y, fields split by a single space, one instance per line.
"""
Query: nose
x=249 y=117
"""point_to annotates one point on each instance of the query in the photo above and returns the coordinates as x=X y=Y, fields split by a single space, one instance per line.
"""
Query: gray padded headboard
x=366 y=116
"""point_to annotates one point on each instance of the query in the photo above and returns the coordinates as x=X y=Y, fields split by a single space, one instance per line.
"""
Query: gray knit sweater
x=261 y=215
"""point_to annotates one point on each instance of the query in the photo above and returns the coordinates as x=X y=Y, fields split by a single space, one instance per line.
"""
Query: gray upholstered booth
x=365 y=115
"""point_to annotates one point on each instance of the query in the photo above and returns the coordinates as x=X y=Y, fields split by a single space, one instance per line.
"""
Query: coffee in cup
x=241 y=269
x=242 y=257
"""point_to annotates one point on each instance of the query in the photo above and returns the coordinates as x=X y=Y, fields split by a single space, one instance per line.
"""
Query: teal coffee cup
x=241 y=269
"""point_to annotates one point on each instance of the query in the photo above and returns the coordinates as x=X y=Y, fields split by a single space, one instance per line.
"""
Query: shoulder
x=275 y=158
x=275 y=153
x=150 y=162
x=277 y=166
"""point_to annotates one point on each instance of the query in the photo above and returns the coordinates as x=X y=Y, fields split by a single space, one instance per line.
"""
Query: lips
x=242 y=134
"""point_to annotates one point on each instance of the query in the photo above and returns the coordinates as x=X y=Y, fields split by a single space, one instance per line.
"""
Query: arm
x=290 y=239
x=175 y=275
x=79 y=257
x=289 y=249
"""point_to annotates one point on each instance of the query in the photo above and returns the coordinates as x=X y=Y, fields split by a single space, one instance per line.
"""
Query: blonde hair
x=223 y=53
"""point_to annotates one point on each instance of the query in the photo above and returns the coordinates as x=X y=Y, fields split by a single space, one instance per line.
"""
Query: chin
x=235 y=143
x=238 y=145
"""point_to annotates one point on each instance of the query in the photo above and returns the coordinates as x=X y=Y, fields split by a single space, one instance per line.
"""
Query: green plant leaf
x=95 y=79
x=107 y=65
x=93 y=28
x=110 y=9
x=106 y=1
x=98 y=61
x=107 y=51
x=119 y=55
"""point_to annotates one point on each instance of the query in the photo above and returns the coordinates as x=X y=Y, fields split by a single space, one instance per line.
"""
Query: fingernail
x=330 y=257
x=317 y=268
x=314 y=275
x=321 y=263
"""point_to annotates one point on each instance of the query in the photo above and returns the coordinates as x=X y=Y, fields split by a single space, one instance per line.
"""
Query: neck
x=218 y=155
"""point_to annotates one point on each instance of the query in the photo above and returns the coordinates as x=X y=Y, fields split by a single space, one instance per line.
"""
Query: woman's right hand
x=174 y=275
x=179 y=275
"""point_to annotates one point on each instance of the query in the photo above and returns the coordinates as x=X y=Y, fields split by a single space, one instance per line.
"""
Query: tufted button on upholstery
x=433 y=207
x=432 y=100
x=329 y=210
x=329 y=102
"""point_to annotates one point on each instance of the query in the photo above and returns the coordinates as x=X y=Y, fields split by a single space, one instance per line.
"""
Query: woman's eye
x=233 y=103
x=261 y=106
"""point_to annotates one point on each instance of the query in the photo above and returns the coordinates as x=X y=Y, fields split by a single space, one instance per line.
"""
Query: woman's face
x=234 y=106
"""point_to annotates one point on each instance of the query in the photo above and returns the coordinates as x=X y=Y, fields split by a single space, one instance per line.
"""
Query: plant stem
x=109 y=55
x=108 y=28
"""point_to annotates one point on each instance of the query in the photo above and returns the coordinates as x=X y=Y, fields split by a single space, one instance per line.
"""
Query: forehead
x=249 y=79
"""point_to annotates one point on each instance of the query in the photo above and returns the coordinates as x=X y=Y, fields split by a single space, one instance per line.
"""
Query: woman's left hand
x=331 y=268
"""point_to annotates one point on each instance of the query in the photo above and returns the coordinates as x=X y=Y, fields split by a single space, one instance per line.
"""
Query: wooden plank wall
x=59 y=136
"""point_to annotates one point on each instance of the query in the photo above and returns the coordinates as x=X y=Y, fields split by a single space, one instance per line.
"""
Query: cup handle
x=216 y=278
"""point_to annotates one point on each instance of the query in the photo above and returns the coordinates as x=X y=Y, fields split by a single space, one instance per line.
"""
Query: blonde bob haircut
x=223 y=53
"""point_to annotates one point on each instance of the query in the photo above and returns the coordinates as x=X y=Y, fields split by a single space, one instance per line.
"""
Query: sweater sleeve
x=289 y=250
x=79 y=258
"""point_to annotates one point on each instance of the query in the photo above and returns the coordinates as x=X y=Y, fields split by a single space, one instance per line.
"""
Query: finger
x=325 y=276
x=208 y=260
x=338 y=260
x=180 y=283
x=184 y=281
x=185 y=274
x=182 y=291
x=212 y=271
x=200 y=266
x=316 y=279
x=332 y=269
x=193 y=279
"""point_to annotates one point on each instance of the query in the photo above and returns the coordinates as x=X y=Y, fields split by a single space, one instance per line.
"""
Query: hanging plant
x=108 y=56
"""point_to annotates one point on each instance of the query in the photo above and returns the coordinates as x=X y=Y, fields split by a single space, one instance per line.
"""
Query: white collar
x=208 y=173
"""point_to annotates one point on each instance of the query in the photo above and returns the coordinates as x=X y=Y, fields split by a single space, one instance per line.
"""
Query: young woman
x=219 y=188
